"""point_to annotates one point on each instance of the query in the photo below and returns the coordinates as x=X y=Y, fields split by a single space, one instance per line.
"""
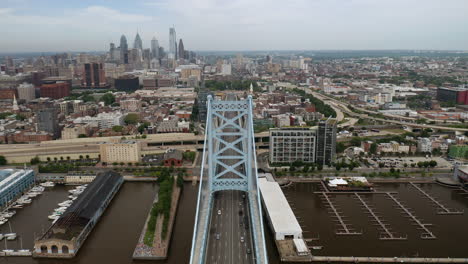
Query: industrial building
x=65 y=237
x=13 y=183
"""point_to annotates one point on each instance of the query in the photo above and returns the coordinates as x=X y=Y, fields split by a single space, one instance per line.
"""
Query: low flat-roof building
x=280 y=215
x=65 y=237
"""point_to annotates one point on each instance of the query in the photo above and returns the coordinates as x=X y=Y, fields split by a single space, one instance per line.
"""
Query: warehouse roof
x=83 y=209
x=278 y=209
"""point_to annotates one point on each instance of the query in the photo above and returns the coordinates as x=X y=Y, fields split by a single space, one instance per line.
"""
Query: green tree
x=373 y=148
x=432 y=163
x=82 y=136
x=340 y=147
x=356 y=141
x=117 y=128
x=3 y=160
x=131 y=119
x=108 y=99
x=20 y=117
x=142 y=127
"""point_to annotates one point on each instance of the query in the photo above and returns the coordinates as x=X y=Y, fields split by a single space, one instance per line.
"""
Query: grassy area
x=395 y=130
x=161 y=207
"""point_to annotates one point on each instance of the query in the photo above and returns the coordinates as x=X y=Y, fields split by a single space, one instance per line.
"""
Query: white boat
x=66 y=203
x=53 y=217
x=10 y=236
x=24 y=250
x=17 y=206
x=38 y=189
x=24 y=201
x=32 y=194
x=48 y=184
x=2 y=222
x=1 y=237
x=8 y=250
x=60 y=209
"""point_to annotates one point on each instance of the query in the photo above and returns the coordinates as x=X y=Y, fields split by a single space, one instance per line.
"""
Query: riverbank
x=160 y=247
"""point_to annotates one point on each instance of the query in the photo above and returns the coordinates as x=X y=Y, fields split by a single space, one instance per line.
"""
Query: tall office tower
x=172 y=43
x=326 y=142
x=123 y=50
x=154 y=48
x=94 y=76
x=181 y=49
x=138 y=44
x=162 y=53
x=112 y=51
x=47 y=121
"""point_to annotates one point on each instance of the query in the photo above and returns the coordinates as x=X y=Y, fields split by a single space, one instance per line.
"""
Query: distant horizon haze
x=235 y=25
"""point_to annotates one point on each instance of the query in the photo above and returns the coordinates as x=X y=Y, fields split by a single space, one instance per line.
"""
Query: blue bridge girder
x=228 y=163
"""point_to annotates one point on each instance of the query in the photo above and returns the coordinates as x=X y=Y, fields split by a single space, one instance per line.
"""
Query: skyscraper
x=181 y=49
x=172 y=43
x=326 y=142
x=47 y=121
x=138 y=44
x=123 y=50
x=111 y=51
x=154 y=48
x=94 y=75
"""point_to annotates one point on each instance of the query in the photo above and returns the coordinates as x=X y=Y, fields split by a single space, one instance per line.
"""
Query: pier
x=16 y=254
x=442 y=208
x=387 y=234
x=324 y=259
x=345 y=228
x=65 y=237
x=427 y=234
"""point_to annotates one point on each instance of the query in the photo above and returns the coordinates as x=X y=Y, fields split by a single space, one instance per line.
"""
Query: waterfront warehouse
x=279 y=213
x=65 y=237
x=14 y=183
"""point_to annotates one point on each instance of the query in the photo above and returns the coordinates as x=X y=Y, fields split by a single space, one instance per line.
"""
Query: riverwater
x=114 y=237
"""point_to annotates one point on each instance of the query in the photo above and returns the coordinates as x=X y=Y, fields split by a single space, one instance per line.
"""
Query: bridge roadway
x=343 y=107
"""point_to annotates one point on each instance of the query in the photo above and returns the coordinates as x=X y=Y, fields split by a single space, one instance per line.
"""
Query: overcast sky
x=87 y=25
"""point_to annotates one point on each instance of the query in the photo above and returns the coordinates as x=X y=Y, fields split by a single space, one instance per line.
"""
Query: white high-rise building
x=172 y=43
x=26 y=91
x=226 y=69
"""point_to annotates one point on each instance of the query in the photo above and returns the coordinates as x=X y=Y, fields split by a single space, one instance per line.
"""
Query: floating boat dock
x=324 y=259
x=345 y=228
x=427 y=234
x=442 y=208
x=387 y=234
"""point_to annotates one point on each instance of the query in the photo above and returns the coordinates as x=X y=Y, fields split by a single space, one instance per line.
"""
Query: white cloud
x=111 y=14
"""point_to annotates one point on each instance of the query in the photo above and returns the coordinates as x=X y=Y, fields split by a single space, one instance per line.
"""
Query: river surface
x=114 y=237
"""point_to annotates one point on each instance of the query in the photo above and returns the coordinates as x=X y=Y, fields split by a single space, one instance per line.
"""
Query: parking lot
x=396 y=162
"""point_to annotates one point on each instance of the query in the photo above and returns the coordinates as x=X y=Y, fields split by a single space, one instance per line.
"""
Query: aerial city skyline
x=233 y=131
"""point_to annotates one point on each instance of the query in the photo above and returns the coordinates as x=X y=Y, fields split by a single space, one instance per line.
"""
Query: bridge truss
x=229 y=163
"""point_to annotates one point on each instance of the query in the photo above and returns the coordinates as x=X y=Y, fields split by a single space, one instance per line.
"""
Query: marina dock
x=427 y=234
x=442 y=208
x=345 y=228
x=387 y=233
x=386 y=260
